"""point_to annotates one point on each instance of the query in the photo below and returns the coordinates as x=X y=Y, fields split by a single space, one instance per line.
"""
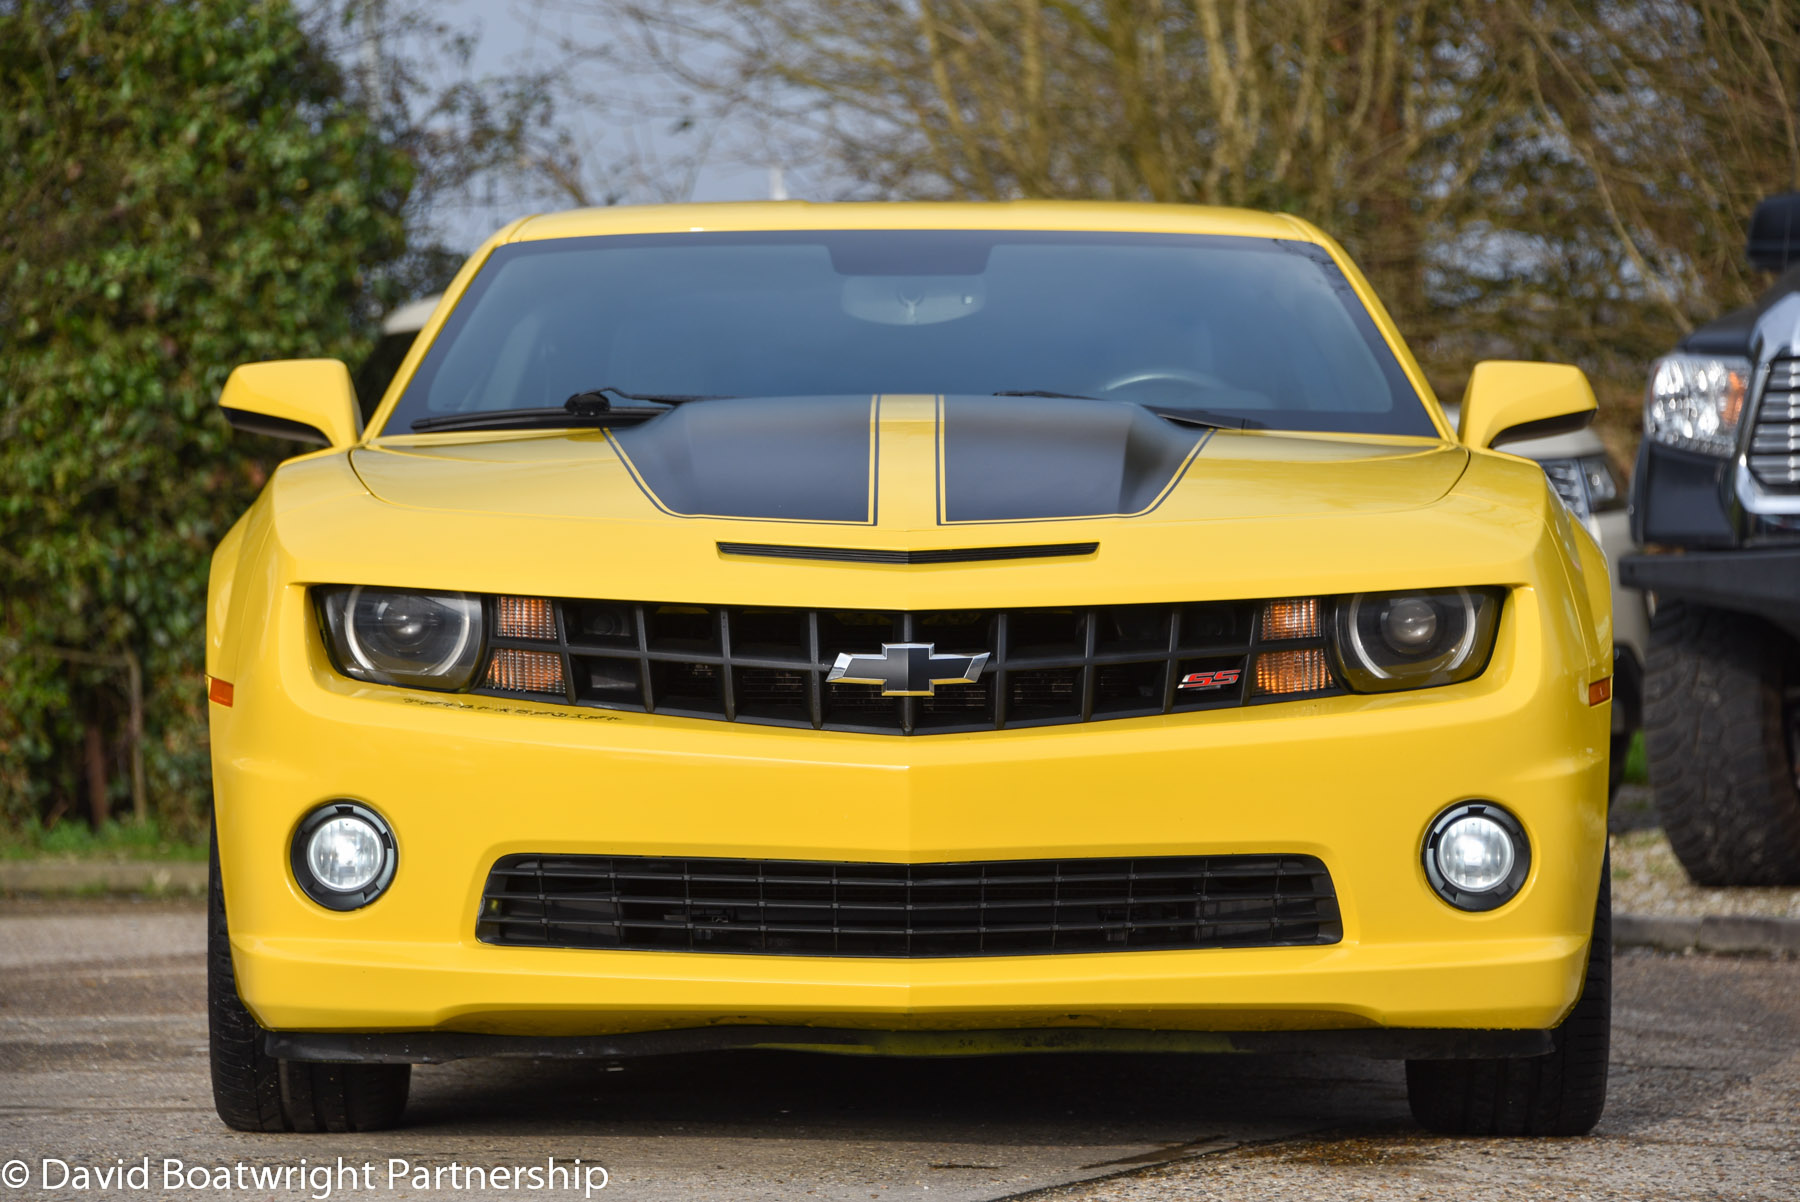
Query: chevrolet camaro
x=914 y=630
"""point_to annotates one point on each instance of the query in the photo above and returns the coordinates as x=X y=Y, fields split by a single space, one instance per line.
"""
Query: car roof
x=922 y=215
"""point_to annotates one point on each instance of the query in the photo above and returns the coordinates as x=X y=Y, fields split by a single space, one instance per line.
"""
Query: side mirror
x=1775 y=233
x=306 y=400
x=1508 y=402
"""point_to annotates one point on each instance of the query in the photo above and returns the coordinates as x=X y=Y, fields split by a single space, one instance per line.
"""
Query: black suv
x=1715 y=502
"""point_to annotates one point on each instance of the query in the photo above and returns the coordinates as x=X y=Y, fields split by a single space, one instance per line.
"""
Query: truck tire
x=1719 y=733
x=1562 y=1093
x=253 y=1091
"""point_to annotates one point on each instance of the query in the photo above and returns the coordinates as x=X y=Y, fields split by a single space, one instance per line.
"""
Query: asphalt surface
x=103 y=1061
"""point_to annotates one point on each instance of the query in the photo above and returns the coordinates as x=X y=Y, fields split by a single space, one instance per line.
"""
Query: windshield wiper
x=1200 y=417
x=591 y=408
x=1187 y=417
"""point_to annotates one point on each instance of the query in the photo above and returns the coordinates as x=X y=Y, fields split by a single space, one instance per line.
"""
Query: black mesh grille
x=772 y=666
x=1775 y=439
x=981 y=908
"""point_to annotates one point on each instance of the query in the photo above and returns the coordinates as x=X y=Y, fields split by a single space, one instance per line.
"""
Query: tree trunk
x=96 y=775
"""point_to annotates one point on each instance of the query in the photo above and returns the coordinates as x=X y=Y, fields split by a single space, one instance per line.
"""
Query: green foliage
x=113 y=841
x=184 y=185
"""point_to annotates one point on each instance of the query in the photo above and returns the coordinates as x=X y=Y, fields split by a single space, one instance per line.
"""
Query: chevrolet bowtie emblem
x=908 y=669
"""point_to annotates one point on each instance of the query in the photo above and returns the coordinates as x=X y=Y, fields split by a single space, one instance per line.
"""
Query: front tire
x=1562 y=1093
x=1720 y=733
x=253 y=1091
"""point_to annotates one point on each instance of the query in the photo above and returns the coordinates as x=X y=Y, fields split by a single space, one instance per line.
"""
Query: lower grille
x=978 y=908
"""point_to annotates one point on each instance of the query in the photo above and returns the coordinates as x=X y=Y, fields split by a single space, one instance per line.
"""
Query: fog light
x=343 y=855
x=1476 y=856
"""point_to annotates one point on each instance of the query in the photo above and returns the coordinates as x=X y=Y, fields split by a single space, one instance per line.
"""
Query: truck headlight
x=399 y=636
x=1695 y=402
x=1415 y=640
x=1587 y=485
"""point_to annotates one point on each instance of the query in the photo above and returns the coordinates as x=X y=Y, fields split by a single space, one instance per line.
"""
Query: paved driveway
x=103 y=1060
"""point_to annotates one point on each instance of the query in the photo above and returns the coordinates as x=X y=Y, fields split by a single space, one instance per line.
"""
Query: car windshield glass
x=1262 y=329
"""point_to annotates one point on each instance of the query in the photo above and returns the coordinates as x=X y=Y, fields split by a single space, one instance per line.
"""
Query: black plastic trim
x=438 y=1047
x=274 y=427
x=880 y=555
x=1545 y=427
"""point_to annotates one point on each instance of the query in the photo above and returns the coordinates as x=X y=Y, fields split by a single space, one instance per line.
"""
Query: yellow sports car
x=909 y=629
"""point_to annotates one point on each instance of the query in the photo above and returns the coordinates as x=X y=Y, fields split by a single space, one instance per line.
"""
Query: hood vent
x=881 y=555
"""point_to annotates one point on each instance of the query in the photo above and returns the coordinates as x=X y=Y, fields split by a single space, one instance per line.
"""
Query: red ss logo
x=1209 y=680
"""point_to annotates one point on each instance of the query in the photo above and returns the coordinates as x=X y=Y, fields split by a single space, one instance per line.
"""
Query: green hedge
x=184 y=185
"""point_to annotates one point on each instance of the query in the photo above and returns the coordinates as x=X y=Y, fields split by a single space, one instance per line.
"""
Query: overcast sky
x=510 y=35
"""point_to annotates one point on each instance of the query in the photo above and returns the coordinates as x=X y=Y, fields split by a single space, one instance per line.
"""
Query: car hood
x=909 y=464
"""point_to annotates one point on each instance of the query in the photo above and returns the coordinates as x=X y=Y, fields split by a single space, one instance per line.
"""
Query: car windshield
x=1261 y=329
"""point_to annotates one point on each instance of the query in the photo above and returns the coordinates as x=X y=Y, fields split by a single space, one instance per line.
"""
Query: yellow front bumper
x=1352 y=780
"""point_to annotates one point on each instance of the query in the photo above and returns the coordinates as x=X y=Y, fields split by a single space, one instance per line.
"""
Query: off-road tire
x=253 y=1091
x=1562 y=1093
x=1719 y=731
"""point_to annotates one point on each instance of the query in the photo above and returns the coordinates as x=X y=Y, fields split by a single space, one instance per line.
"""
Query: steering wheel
x=1172 y=375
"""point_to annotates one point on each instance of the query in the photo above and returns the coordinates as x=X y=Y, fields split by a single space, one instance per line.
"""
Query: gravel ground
x=1647 y=879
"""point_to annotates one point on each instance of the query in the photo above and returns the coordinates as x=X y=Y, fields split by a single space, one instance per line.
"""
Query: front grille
x=771 y=666
x=1775 y=439
x=981 y=908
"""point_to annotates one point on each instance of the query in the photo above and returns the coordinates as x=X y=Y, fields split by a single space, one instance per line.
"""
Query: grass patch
x=1637 y=768
x=78 y=841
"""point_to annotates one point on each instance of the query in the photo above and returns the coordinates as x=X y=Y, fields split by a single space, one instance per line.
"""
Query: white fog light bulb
x=345 y=854
x=1475 y=854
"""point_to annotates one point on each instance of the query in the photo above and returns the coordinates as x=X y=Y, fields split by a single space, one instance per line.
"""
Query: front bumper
x=1352 y=780
x=1763 y=581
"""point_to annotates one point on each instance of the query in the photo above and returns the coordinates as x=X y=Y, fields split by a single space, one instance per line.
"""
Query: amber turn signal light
x=1600 y=691
x=1300 y=671
x=525 y=671
x=1293 y=619
x=524 y=618
x=219 y=691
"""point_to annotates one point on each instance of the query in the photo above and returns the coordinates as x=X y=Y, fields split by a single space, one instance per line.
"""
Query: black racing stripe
x=878 y=555
x=1015 y=459
x=779 y=459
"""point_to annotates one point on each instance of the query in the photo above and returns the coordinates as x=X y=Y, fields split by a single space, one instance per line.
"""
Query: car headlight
x=1415 y=640
x=1696 y=401
x=404 y=637
x=1586 y=485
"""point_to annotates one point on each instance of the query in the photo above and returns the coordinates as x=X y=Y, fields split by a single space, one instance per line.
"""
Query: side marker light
x=1600 y=691
x=219 y=690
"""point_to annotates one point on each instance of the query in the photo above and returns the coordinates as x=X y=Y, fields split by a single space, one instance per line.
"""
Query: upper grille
x=770 y=665
x=1775 y=439
x=979 y=908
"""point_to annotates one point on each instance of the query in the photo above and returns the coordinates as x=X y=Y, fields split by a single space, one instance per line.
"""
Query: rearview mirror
x=1508 y=401
x=305 y=400
x=1775 y=233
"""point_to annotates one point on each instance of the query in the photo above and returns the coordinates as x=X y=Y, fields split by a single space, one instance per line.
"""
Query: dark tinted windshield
x=1262 y=329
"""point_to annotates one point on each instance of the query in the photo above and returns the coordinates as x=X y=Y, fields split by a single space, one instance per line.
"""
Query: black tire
x=1720 y=733
x=1563 y=1093
x=253 y=1091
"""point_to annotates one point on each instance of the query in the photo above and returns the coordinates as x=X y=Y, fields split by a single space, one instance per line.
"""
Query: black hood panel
x=816 y=459
x=777 y=459
x=1016 y=459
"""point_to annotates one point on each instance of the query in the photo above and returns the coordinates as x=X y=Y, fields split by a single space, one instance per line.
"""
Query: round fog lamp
x=344 y=855
x=1476 y=856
